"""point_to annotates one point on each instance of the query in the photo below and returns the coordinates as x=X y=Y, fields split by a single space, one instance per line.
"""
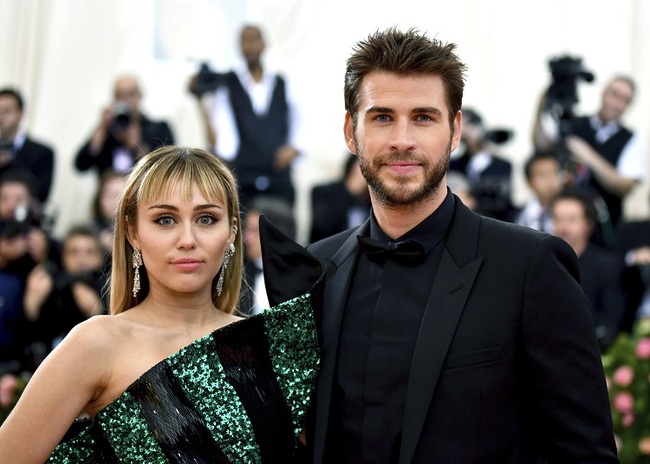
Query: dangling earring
x=230 y=251
x=136 y=262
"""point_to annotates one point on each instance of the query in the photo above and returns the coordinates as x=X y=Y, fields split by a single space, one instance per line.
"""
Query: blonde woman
x=172 y=374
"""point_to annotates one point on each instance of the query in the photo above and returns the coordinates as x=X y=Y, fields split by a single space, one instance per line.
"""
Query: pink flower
x=628 y=420
x=624 y=402
x=644 y=445
x=623 y=376
x=643 y=348
x=8 y=384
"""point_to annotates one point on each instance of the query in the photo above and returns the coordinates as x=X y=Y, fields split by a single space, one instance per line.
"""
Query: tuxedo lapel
x=451 y=288
x=339 y=273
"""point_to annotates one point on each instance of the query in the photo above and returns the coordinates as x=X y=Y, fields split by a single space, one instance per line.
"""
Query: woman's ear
x=132 y=234
x=233 y=231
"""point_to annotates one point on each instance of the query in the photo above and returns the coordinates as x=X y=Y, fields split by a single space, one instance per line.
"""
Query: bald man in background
x=124 y=133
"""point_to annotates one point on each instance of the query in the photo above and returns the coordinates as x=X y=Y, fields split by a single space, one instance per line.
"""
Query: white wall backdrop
x=64 y=55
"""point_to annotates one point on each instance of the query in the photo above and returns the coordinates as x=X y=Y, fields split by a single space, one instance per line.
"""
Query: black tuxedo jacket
x=506 y=367
x=38 y=159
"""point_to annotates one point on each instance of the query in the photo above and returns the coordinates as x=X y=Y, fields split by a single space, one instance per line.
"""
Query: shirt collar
x=19 y=141
x=430 y=231
x=604 y=130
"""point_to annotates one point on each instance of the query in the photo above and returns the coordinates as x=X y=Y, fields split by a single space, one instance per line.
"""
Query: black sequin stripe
x=178 y=428
x=244 y=355
x=103 y=453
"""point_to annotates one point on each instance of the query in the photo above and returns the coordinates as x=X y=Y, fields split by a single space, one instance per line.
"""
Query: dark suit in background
x=38 y=159
x=155 y=134
x=601 y=272
x=632 y=237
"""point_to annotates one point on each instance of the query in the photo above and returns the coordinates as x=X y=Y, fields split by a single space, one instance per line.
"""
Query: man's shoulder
x=36 y=146
x=328 y=246
x=506 y=235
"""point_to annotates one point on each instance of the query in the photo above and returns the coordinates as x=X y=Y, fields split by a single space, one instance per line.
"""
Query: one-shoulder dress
x=237 y=395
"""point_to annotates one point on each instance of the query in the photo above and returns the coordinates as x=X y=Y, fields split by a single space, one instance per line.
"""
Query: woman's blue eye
x=207 y=219
x=165 y=220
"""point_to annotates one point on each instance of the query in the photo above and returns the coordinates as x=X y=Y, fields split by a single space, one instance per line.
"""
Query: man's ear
x=458 y=125
x=348 y=133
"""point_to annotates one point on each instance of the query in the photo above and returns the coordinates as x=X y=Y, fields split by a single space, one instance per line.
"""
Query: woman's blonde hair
x=154 y=177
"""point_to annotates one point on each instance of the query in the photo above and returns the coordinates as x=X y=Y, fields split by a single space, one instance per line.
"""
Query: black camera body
x=122 y=115
x=499 y=136
x=207 y=80
x=562 y=94
x=24 y=219
x=63 y=279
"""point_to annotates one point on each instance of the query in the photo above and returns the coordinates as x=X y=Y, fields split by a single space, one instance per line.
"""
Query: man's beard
x=401 y=195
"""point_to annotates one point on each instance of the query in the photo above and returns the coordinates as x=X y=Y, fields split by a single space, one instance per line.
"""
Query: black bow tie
x=407 y=251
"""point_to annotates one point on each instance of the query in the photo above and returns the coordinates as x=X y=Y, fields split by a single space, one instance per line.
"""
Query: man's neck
x=395 y=221
x=256 y=71
x=9 y=136
x=580 y=248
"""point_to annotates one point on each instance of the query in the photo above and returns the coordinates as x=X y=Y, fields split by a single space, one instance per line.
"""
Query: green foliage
x=627 y=368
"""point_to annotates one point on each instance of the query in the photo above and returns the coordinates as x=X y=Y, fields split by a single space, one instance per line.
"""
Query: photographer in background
x=58 y=298
x=489 y=176
x=24 y=242
x=26 y=229
x=601 y=270
x=124 y=133
x=251 y=121
x=605 y=158
x=11 y=306
x=20 y=151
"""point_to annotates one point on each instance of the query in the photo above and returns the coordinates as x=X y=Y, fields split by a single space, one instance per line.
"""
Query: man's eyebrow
x=379 y=109
x=427 y=109
x=418 y=110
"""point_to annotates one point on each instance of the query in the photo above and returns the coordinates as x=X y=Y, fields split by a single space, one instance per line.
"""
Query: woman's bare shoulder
x=101 y=331
x=100 y=341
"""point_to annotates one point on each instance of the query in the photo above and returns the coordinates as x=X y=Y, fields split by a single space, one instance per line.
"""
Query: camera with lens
x=498 y=136
x=122 y=115
x=23 y=220
x=63 y=279
x=562 y=94
x=206 y=80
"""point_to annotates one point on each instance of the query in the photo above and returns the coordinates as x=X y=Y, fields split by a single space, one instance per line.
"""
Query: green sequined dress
x=237 y=395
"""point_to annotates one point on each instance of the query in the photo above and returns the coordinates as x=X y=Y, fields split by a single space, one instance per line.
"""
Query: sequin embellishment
x=238 y=395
